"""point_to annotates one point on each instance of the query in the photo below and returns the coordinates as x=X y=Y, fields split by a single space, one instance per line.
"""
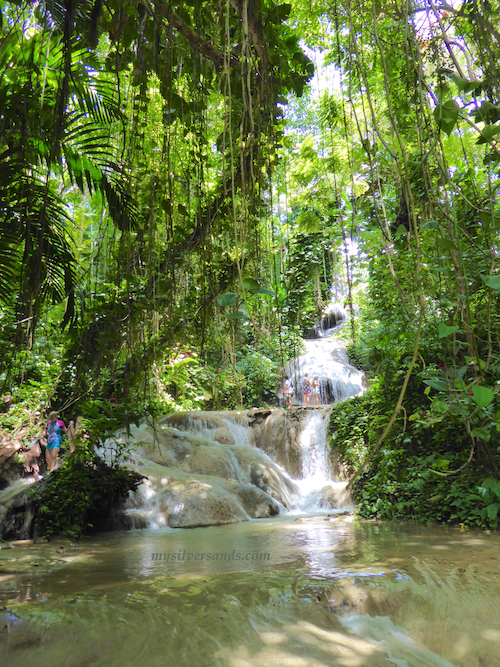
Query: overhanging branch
x=216 y=56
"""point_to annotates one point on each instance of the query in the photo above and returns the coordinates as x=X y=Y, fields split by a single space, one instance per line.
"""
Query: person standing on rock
x=287 y=391
x=306 y=389
x=315 y=390
x=53 y=432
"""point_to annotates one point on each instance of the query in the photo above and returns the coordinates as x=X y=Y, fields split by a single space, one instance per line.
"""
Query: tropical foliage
x=180 y=200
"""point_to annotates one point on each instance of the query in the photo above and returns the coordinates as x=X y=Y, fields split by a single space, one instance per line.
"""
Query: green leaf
x=487 y=219
x=481 y=433
x=441 y=385
x=279 y=12
x=487 y=133
x=238 y=316
x=482 y=396
x=457 y=80
x=430 y=224
x=471 y=86
x=488 y=483
x=491 y=281
x=444 y=330
x=227 y=299
x=251 y=285
x=265 y=290
x=446 y=116
x=442 y=464
x=492 y=511
x=446 y=244
x=439 y=406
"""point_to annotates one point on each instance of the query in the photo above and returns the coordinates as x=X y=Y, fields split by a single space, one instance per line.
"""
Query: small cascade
x=333 y=318
x=148 y=514
x=325 y=358
x=215 y=426
x=199 y=426
x=317 y=489
x=239 y=430
x=316 y=467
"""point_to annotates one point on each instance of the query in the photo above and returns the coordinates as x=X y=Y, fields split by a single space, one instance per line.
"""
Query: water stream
x=327 y=359
x=307 y=591
x=308 y=588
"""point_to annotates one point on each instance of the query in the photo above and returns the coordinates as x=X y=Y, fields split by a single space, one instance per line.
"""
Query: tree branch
x=217 y=57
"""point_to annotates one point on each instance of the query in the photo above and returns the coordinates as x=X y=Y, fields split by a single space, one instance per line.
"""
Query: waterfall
x=328 y=360
x=303 y=431
x=316 y=467
x=238 y=430
x=317 y=488
x=338 y=380
x=295 y=439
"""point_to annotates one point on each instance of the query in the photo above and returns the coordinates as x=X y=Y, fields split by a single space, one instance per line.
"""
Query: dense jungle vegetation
x=185 y=185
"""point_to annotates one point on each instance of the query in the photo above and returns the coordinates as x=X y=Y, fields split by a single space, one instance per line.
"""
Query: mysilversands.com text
x=210 y=555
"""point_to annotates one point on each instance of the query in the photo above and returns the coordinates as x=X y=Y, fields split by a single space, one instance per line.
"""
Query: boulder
x=196 y=455
x=334 y=496
x=180 y=500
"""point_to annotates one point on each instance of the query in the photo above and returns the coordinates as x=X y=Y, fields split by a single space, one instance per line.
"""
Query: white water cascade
x=317 y=488
x=295 y=440
x=303 y=429
x=206 y=468
x=329 y=361
x=326 y=358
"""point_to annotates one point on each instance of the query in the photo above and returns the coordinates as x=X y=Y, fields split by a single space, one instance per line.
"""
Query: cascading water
x=337 y=378
x=205 y=468
x=317 y=488
x=327 y=359
x=313 y=484
x=290 y=437
x=316 y=467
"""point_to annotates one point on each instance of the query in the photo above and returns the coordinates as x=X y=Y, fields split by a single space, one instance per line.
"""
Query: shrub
x=78 y=497
x=261 y=376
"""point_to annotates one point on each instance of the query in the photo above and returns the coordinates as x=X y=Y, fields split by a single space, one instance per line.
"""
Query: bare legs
x=51 y=457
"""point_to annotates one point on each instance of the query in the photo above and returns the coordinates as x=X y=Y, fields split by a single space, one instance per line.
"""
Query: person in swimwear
x=288 y=391
x=315 y=390
x=306 y=389
x=53 y=433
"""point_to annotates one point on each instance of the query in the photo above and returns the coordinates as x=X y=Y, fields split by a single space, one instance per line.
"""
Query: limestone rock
x=334 y=496
x=195 y=455
x=211 y=458
x=180 y=500
x=196 y=502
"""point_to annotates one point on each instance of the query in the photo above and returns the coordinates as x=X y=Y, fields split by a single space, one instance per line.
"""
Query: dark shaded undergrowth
x=422 y=470
x=81 y=496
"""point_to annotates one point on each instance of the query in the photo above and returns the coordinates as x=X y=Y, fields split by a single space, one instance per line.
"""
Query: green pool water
x=291 y=591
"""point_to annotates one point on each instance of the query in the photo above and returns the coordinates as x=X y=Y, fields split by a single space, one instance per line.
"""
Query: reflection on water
x=309 y=592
